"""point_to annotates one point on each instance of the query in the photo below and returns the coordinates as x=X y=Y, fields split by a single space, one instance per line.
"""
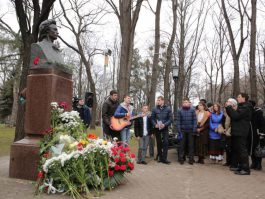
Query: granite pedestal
x=43 y=87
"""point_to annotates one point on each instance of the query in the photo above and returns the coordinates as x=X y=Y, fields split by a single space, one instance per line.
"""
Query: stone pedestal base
x=43 y=87
x=24 y=159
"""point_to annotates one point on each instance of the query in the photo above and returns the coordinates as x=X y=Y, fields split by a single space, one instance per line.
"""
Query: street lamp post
x=175 y=73
x=107 y=53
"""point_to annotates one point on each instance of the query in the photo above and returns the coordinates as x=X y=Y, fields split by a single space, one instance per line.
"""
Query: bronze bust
x=45 y=54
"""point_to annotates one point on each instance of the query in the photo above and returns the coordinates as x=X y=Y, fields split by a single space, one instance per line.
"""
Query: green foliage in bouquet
x=79 y=164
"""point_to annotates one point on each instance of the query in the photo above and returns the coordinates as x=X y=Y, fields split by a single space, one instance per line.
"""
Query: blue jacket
x=122 y=110
x=215 y=120
x=186 y=120
x=163 y=114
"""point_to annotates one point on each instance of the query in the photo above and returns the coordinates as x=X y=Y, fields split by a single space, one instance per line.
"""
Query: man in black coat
x=84 y=112
x=109 y=107
x=161 y=120
x=142 y=130
x=240 y=126
x=257 y=123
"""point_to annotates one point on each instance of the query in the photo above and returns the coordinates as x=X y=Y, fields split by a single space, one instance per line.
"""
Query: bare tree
x=170 y=51
x=29 y=33
x=235 y=52
x=127 y=13
x=188 y=46
x=252 y=50
x=155 y=69
x=84 y=21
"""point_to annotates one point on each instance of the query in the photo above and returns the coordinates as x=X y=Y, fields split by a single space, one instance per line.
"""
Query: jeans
x=151 y=146
x=125 y=136
x=143 y=144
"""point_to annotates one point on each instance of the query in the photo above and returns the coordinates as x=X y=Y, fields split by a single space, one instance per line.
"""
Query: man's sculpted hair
x=44 y=27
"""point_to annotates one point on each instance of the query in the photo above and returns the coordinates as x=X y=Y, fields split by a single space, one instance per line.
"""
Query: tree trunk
x=28 y=38
x=252 y=52
x=13 y=117
x=19 y=132
x=169 y=53
x=155 y=69
x=123 y=83
x=80 y=79
x=181 y=79
x=234 y=52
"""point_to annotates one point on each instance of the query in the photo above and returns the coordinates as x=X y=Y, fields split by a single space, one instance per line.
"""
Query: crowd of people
x=207 y=130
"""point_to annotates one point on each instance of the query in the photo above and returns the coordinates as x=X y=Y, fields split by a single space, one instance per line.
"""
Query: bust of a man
x=45 y=54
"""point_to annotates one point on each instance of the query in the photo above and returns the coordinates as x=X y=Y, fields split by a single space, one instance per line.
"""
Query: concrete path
x=160 y=181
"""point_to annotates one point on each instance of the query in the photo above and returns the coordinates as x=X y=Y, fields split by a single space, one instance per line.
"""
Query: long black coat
x=108 y=110
x=240 y=119
x=139 y=126
x=258 y=123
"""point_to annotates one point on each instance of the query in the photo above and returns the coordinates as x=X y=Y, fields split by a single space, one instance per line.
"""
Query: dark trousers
x=228 y=149
x=109 y=133
x=256 y=162
x=187 y=140
x=240 y=152
x=162 y=144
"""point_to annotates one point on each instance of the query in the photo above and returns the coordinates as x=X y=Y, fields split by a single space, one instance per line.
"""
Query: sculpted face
x=52 y=32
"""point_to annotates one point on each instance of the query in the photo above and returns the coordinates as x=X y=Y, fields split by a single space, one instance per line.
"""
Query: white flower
x=66 y=139
x=54 y=104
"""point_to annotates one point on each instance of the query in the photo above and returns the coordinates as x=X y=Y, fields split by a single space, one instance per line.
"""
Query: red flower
x=121 y=154
x=114 y=152
x=131 y=165
x=121 y=147
x=40 y=174
x=116 y=160
x=126 y=149
x=92 y=136
x=132 y=155
x=63 y=105
x=46 y=155
x=117 y=167
x=123 y=167
x=123 y=159
x=36 y=60
x=79 y=146
x=111 y=173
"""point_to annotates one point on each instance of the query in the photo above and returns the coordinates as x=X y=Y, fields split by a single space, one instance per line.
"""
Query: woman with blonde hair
x=227 y=135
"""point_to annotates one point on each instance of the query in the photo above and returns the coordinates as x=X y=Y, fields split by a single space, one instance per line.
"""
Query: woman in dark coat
x=257 y=125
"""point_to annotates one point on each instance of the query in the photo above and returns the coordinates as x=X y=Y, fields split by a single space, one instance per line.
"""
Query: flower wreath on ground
x=76 y=163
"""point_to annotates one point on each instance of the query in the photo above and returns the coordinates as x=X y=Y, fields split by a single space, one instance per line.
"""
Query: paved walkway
x=160 y=181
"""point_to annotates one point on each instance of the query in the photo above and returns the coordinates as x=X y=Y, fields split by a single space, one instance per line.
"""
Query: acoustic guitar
x=117 y=124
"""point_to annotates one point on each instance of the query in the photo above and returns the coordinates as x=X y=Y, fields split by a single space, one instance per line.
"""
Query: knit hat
x=232 y=101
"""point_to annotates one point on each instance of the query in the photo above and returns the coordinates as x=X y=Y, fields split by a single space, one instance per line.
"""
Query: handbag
x=220 y=129
x=260 y=151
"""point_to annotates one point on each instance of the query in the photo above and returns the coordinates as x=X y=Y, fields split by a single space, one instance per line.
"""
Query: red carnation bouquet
x=121 y=162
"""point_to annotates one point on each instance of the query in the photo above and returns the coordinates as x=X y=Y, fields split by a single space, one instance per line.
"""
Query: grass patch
x=7 y=135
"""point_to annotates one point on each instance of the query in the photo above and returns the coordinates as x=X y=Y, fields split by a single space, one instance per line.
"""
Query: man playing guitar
x=125 y=110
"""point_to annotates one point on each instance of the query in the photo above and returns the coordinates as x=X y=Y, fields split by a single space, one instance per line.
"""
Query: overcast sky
x=144 y=29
